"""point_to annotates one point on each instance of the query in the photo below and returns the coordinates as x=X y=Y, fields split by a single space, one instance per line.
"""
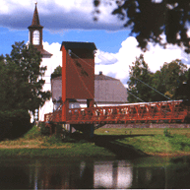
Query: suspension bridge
x=78 y=83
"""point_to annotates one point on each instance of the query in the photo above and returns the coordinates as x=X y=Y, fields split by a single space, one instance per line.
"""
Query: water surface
x=144 y=173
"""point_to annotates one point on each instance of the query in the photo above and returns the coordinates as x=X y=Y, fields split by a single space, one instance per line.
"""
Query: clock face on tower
x=36 y=37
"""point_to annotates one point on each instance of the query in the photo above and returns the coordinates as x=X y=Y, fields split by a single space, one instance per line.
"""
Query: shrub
x=14 y=123
x=32 y=133
x=43 y=129
x=167 y=133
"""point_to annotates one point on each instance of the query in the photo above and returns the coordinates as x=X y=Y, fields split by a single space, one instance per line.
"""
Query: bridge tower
x=77 y=75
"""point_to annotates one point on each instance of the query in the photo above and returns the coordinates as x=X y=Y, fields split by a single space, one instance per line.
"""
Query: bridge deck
x=168 y=111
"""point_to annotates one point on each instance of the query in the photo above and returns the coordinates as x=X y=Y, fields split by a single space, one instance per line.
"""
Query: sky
x=72 y=20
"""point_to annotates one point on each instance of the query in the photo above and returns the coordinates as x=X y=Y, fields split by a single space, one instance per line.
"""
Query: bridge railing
x=168 y=111
x=171 y=111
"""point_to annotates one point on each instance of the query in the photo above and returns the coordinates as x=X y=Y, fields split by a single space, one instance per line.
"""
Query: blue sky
x=73 y=21
x=109 y=41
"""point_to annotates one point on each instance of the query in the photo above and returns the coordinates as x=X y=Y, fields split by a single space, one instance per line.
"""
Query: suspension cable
x=79 y=74
x=82 y=80
x=81 y=59
x=152 y=88
x=135 y=96
x=132 y=76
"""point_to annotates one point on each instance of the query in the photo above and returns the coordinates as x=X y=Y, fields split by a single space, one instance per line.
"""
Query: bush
x=43 y=129
x=14 y=123
x=167 y=133
x=32 y=133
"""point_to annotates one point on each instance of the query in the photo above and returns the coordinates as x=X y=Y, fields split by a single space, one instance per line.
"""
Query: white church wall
x=51 y=64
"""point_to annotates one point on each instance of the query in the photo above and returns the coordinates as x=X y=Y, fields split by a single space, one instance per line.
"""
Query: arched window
x=36 y=37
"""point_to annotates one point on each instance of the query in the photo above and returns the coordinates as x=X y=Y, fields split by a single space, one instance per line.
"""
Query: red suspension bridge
x=166 y=111
x=78 y=83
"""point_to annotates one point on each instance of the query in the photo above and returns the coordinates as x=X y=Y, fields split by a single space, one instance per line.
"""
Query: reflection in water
x=116 y=174
x=56 y=174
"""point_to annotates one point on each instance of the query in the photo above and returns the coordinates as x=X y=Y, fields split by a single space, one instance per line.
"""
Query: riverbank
x=107 y=143
x=169 y=142
x=35 y=145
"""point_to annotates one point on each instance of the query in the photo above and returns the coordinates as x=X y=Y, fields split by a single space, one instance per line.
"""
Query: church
x=107 y=90
x=36 y=39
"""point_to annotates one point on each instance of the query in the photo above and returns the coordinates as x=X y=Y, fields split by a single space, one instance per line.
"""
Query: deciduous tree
x=20 y=89
x=158 y=86
x=21 y=82
x=183 y=90
x=139 y=71
x=172 y=75
x=57 y=72
x=149 y=19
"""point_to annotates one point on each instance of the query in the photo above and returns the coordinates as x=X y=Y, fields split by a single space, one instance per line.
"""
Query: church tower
x=36 y=34
x=36 y=39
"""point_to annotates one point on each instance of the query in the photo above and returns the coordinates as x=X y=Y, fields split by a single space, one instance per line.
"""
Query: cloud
x=56 y=15
x=105 y=58
x=155 y=57
x=125 y=56
x=117 y=65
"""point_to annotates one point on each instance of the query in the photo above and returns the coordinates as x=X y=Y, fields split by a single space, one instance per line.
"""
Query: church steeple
x=35 y=20
x=36 y=33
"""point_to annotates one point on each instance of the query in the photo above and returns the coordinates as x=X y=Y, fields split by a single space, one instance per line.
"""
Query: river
x=143 y=173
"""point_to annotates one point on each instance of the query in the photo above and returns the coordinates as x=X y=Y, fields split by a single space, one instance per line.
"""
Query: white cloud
x=105 y=58
x=154 y=57
x=117 y=65
x=125 y=56
x=57 y=15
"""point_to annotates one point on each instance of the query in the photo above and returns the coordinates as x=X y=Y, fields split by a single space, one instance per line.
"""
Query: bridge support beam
x=87 y=129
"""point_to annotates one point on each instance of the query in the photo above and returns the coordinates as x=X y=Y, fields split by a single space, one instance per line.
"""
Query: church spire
x=36 y=20
x=36 y=33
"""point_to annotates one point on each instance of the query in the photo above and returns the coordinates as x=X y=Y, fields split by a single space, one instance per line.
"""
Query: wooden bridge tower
x=77 y=74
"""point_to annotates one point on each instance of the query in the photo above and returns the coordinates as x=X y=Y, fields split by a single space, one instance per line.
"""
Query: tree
x=172 y=75
x=57 y=72
x=158 y=86
x=149 y=19
x=183 y=90
x=21 y=83
x=20 y=89
x=139 y=71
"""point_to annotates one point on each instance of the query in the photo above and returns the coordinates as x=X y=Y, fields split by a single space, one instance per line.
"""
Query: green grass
x=33 y=144
x=33 y=133
x=152 y=141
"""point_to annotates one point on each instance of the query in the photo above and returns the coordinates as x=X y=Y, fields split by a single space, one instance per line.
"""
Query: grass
x=152 y=141
x=33 y=144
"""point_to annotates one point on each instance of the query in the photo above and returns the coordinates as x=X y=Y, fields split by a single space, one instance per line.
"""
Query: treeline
x=170 y=82
x=20 y=89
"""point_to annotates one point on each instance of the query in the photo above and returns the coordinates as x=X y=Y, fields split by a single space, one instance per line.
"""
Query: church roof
x=35 y=20
x=45 y=53
x=78 y=45
x=103 y=77
x=107 y=90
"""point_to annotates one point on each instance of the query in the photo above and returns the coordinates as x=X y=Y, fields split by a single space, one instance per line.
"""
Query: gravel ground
x=147 y=125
